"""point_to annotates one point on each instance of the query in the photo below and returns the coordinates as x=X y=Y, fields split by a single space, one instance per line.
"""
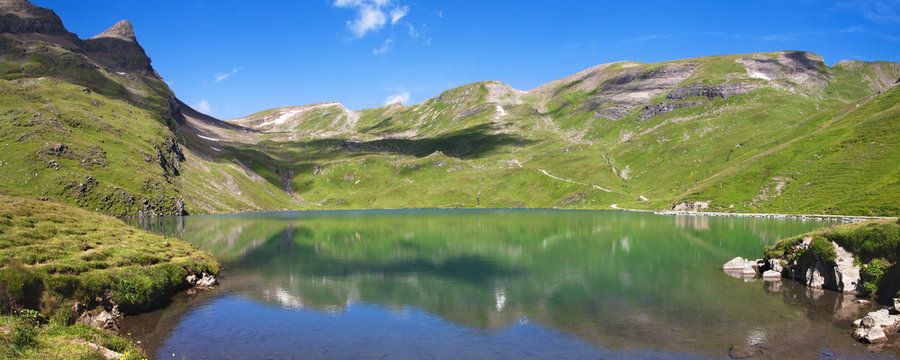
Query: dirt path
x=572 y=181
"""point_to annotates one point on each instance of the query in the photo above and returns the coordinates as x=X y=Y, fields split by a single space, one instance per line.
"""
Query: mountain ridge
x=93 y=124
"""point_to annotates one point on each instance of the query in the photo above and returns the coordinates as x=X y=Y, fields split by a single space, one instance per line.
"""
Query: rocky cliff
x=823 y=265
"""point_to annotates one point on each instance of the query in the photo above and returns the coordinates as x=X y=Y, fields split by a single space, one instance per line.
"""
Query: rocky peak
x=20 y=16
x=122 y=30
x=118 y=48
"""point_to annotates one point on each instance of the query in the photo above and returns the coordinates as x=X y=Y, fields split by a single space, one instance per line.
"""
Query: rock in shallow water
x=736 y=264
x=771 y=275
x=872 y=335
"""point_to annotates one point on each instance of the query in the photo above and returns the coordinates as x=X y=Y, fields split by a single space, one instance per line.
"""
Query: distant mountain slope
x=90 y=122
x=670 y=132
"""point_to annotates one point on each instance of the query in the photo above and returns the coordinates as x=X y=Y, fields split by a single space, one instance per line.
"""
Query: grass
x=26 y=335
x=875 y=245
x=788 y=148
x=53 y=255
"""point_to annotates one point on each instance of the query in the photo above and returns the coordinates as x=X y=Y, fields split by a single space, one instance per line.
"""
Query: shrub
x=823 y=249
x=871 y=274
x=24 y=333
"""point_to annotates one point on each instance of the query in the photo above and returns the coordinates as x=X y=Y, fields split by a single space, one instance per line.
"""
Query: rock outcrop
x=118 y=48
x=696 y=206
x=840 y=274
x=20 y=16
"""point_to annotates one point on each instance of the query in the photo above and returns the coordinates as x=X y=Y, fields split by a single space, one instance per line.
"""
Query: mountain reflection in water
x=496 y=283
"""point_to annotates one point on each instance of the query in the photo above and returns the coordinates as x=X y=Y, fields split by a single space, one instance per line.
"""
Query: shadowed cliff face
x=20 y=16
x=118 y=48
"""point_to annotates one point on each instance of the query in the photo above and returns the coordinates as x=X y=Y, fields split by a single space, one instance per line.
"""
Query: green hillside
x=90 y=123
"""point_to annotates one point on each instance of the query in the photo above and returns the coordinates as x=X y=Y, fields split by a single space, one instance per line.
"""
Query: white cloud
x=202 y=106
x=401 y=98
x=222 y=76
x=398 y=13
x=384 y=47
x=371 y=15
x=441 y=14
x=412 y=31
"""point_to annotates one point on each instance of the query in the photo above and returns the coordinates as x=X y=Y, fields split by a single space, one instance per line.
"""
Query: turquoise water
x=487 y=284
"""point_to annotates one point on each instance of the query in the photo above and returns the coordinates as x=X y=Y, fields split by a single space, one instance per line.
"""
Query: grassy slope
x=782 y=147
x=52 y=255
x=844 y=164
x=747 y=153
x=74 y=131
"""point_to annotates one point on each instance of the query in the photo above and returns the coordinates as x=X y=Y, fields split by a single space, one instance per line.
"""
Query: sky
x=233 y=58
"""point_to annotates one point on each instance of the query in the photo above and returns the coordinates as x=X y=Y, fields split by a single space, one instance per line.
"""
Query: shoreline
x=816 y=217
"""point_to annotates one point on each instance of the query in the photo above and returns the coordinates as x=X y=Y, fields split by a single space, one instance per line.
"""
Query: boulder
x=204 y=281
x=880 y=318
x=737 y=263
x=771 y=275
x=873 y=335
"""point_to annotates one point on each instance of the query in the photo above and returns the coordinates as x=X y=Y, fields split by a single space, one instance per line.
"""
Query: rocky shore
x=825 y=260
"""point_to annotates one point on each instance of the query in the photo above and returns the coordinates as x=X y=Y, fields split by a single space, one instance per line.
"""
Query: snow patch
x=121 y=73
x=281 y=119
x=207 y=138
x=759 y=75
x=286 y=116
x=501 y=111
x=215 y=149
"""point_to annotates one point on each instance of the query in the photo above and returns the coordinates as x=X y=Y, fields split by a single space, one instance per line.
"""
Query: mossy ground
x=53 y=255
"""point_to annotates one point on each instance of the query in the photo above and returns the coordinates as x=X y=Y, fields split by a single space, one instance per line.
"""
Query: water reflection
x=618 y=281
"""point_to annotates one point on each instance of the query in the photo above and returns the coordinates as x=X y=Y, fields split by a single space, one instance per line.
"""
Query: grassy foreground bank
x=53 y=256
x=875 y=246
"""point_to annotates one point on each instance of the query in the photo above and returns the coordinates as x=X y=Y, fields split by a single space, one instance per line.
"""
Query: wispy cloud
x=222 y=76
x=879 y=11
x=648 y=37
x=202 y=106
x=371 y=15
x=385 y=47
x=402 y=97
x=398 y=13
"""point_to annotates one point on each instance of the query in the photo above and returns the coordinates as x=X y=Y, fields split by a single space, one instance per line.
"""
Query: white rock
x=872 y=335
x=737 y=263
x=878 y=319
x=775 y=264
x=771 y=275
x=207 y=281
x=748 y=270
x=847 y=271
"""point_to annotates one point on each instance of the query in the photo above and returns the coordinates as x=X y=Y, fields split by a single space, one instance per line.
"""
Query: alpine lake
x=493 y=284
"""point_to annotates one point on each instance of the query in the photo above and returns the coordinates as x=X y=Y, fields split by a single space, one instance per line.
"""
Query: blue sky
x=233 y=58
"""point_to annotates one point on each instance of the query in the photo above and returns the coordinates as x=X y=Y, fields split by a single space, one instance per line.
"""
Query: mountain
x=89 y=122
